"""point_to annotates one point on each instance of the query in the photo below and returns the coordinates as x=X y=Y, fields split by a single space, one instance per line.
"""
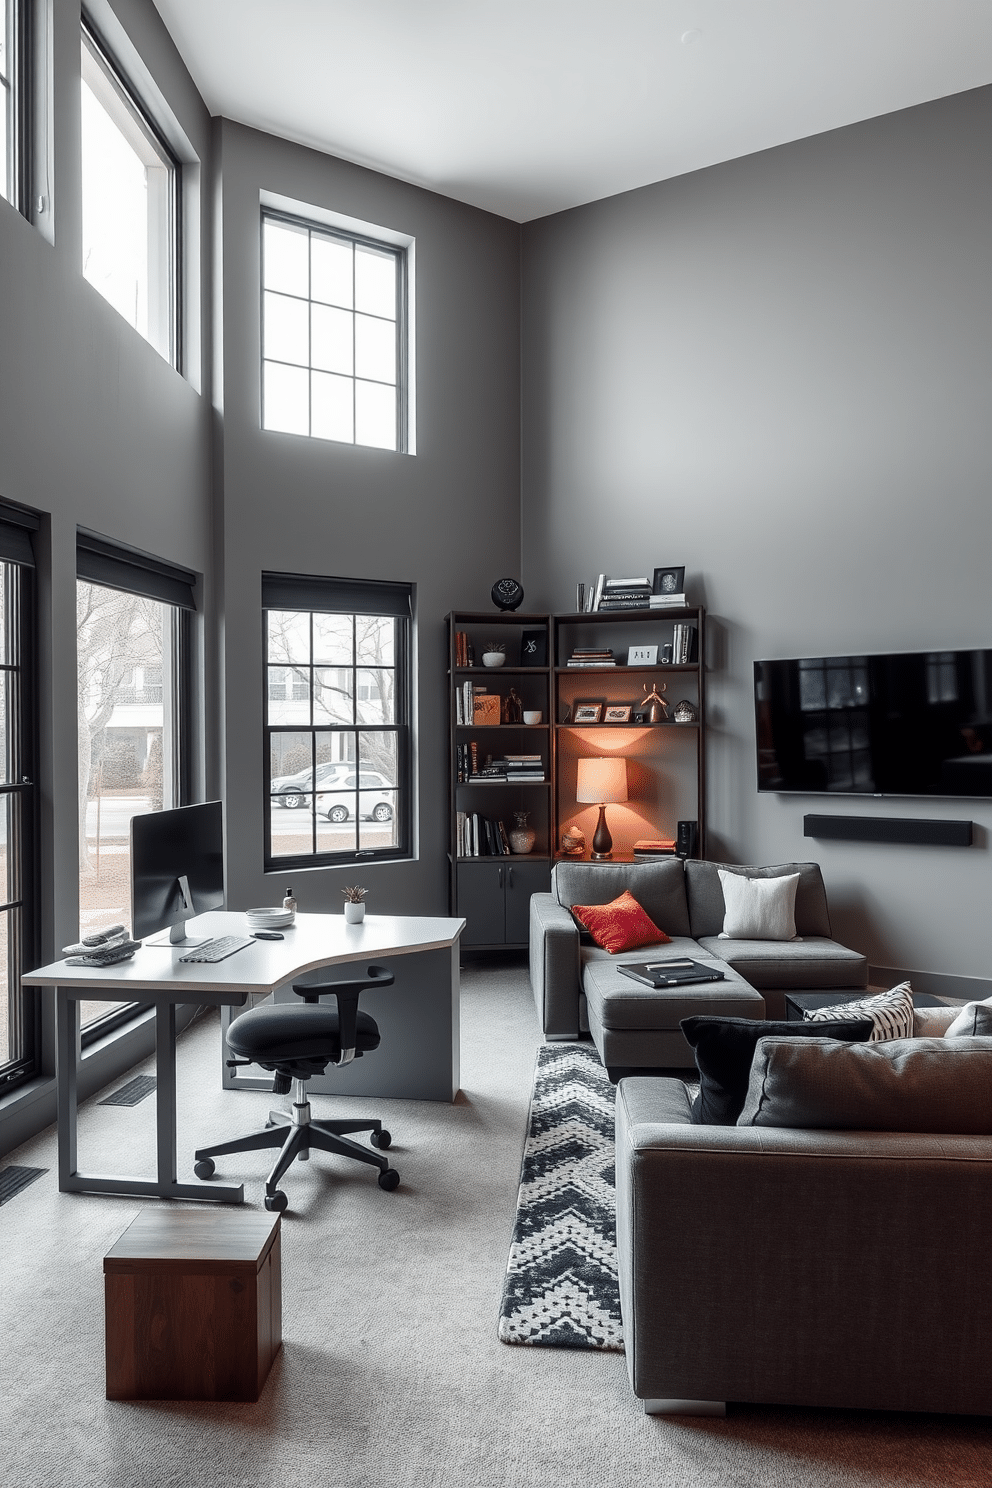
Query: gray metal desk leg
x=66 y=1066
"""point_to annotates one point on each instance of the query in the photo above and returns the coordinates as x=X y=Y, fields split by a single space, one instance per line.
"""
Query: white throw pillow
x=973 y=1021
x=759 y=908
x=891 y=1012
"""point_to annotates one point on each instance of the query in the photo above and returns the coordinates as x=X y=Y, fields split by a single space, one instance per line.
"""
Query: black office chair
x=296 y=1044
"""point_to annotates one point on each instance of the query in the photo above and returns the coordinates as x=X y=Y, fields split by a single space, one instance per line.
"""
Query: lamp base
x=602 y=842
x=595 y=857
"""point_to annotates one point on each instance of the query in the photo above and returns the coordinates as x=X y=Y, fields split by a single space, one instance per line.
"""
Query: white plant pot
x=493 y=658
x=354 y=913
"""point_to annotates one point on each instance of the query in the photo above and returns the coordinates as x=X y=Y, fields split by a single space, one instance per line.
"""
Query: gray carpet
x=391 y=1375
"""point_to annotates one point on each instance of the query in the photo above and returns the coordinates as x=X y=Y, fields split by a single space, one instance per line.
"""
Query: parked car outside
x=293 y=791
x=376 y=798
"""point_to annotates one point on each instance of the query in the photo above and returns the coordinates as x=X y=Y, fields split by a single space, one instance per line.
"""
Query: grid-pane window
x=130 y=203
x=131 y=709
x=333 y=335
x=337 y=709
x=13 y=111
x=18 y=1008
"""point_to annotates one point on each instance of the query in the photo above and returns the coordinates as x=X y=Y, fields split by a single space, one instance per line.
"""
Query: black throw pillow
x=724 y=1049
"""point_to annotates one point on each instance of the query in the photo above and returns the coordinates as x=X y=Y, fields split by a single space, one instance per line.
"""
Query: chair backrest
x=705 y=894
x=659 y=888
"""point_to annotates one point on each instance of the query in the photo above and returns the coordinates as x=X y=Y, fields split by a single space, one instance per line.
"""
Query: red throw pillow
x=620 y=926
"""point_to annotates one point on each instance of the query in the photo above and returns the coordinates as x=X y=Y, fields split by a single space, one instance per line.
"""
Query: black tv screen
x=910 y=724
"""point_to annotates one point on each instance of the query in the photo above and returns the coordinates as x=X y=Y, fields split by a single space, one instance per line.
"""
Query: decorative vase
x=522 y=837
x=493 y=658
x=354 y=913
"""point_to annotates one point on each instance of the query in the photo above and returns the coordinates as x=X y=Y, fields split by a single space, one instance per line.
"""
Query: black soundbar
x=918 y=831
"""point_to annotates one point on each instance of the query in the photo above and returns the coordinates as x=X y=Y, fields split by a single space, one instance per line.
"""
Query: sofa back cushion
x=904 y=1085
x=659 y=888
x=704 y=895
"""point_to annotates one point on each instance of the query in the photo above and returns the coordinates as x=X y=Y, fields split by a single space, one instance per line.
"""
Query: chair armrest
x=346 y=995
x=554 y=966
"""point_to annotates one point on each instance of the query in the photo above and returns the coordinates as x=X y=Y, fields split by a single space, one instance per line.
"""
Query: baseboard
x=939 y=983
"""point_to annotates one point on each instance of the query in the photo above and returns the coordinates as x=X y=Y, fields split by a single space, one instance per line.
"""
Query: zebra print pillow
x=891 y=1012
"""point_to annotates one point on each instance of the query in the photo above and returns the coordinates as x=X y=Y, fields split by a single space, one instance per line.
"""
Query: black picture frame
x=534 y=648
x=669 y=580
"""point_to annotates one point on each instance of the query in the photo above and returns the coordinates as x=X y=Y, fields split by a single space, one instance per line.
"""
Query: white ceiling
x=525 y=107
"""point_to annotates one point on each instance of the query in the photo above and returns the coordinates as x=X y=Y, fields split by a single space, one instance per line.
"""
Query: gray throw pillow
x=973 y=1021
x=902 y=1085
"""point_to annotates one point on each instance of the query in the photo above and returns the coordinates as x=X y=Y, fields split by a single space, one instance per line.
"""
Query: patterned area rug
x=561 y=1280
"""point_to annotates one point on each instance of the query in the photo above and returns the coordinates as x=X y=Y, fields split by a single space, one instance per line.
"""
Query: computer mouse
x=269 y=935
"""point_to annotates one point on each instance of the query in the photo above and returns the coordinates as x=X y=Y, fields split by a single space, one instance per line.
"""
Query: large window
x=18 y=885
x=133 y=666
x=130 y=195
x=13 y=102
x=337 y=684
x=334 y=335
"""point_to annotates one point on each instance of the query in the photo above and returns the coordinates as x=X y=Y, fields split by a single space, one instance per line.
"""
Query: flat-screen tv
x=910 y=724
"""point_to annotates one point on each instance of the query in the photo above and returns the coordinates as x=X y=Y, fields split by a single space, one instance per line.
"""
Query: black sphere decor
x=507 y=594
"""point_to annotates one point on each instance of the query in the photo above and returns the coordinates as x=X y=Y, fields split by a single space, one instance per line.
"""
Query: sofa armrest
x=788 y=1270
x=554 y=966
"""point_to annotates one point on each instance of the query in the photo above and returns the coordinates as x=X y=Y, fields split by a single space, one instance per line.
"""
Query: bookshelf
x=490 y=776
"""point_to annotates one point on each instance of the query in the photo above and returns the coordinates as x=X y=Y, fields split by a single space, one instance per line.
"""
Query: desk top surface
x=315 y=940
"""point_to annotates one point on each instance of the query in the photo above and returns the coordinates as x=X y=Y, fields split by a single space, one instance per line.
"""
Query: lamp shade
x=601 y=780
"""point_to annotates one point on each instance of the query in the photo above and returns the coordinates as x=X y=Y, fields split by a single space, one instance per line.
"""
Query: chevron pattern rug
x=561 y=1280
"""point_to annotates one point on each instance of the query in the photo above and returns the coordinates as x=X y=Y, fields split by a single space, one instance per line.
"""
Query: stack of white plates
x=268 y=919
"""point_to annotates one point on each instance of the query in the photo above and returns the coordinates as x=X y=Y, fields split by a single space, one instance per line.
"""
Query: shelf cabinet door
x=480 y=901
x=522 y=880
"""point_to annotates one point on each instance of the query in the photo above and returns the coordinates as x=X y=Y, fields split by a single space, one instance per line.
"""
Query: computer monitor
x=177 y=870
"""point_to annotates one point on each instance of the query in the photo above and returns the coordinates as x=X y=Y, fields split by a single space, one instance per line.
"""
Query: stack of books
x=623 y=594
x=478 y=837
x=464 y=654
x=648 y=849
x=591 y=656
x=524 y=767
x=683 y=644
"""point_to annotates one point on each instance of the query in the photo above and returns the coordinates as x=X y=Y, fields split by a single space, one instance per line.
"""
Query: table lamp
x=602 y=782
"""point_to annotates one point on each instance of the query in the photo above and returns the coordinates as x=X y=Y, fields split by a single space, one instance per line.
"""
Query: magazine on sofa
x=671 y=973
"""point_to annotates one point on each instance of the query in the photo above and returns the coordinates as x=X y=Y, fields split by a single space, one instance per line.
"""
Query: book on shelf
x=667 y=602
x=630 y=603
x=655 y=844
x=671 y=973
x=480 y=836
x=683 y=644
x=640 y=582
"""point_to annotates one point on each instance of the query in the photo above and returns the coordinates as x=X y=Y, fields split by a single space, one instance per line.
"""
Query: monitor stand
x=176 y=934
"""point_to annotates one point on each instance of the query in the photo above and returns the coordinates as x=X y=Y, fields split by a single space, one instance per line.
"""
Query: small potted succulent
x=354 y=904
x=493 y=654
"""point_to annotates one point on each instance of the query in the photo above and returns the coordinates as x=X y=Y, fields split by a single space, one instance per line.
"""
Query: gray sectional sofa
x=577 y=987
x=789 y=1264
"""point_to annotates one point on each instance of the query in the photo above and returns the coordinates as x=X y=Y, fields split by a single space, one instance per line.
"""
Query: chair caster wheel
x=380 y=1139
x=204 y=1168
x=276 y=1202
x=389 y=1179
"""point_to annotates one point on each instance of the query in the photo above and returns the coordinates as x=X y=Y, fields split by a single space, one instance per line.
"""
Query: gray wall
x=445 y=519
x=777 y=371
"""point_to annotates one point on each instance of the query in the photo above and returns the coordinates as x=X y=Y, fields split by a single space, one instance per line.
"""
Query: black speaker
x=686 y=838
x=916 y=831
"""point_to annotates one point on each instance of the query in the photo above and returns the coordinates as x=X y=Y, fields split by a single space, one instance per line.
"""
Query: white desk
x=427 y=997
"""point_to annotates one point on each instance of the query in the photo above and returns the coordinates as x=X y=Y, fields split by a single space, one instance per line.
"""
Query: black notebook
x=671 y=973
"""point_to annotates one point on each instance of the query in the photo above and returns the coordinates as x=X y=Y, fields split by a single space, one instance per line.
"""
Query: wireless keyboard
x=216 y=950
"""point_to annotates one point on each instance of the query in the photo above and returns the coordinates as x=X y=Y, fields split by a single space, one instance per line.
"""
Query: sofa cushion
x=705 y=896
x=809 y=963
x=933 y=1022
x=621 y=925
x=724 y=1049
x=616 y=1002
x=658 y=887
x=676 y=945
x=891 y=1012
x=903 y=1085
x=758 y=908
x=973 y=1021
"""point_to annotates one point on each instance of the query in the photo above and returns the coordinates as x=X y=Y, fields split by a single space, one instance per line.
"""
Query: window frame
x=402 y=727
x=144 y=121
x=17 y=105
x=24 y=950
x=400 y=254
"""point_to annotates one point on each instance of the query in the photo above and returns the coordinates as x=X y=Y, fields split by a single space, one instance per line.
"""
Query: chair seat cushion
x=811 y=962
x=272 y=1035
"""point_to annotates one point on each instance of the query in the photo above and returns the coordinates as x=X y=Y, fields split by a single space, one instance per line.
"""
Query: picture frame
x=534 y=648
x=618 y=712
x=669 y=580
x=587 y=712
x=642 y=655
